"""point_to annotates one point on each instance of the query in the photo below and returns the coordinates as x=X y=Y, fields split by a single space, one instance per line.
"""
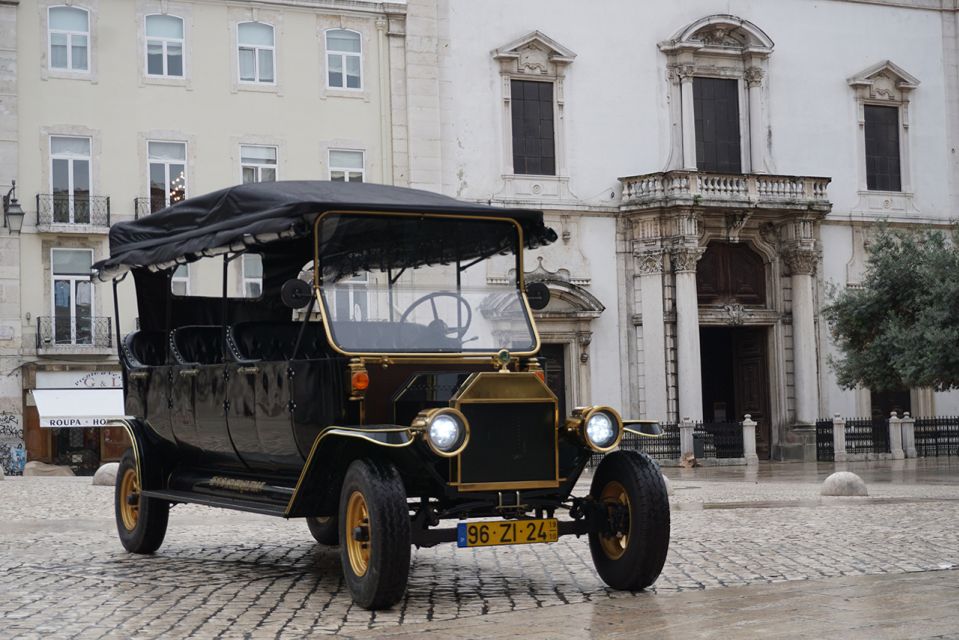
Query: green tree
x=901 y=327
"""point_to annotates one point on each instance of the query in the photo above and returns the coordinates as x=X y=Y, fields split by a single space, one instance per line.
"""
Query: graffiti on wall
x=13 y=456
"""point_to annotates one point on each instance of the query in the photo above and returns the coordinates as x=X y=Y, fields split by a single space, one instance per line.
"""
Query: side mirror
x=296 y=293
x=538 y=295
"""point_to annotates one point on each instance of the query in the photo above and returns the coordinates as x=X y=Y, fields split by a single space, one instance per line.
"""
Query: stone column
x=908 y=424
x=802 y=265
x=749 y=441
x=689 y=117
x=686 y=427
x=688 y=362
x=895 y=437
x=650 y=269
x=754 y=82
x=838 y=438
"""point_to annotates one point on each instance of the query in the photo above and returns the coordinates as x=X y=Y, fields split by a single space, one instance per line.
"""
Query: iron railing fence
x=825 y=451
x=63 y=209
x=74 y=334
x=146 y=205
x=664 y=447
x=710 y=440
x=720 y=439
x=937 y=436
x=867 y=435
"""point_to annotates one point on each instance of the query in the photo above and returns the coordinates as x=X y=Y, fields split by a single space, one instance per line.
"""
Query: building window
x=252 y=275
x=72 y=296
x=257 y=163
x=346 y=166
x=164 y=41
x=70 y=179
x=716 y=113
x=534 y=147
x=882 y=148
x=352 y=298
x=69 y=38
x=167 y=167
x=255 y=49
x=343 y=59
x=180 y=281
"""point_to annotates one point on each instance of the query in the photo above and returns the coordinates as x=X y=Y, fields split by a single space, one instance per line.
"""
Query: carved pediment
x=884 y=81
x=534 y=54
x=720 y=32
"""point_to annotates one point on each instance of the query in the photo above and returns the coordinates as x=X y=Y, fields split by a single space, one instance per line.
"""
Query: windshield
x=389 y=303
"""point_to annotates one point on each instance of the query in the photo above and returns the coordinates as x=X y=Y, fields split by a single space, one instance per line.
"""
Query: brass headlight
x=446 y=430
x=600 y=428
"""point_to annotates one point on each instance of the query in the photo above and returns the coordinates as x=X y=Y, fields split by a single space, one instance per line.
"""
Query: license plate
x=488 y=534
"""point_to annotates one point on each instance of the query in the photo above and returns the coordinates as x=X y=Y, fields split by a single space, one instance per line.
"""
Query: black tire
x=634 y=561
x=325 y=530
x=142 y=523
x=375 y=486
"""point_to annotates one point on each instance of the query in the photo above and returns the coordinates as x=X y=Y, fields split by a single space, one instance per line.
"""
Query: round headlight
x=445 y=431
x=601 y=430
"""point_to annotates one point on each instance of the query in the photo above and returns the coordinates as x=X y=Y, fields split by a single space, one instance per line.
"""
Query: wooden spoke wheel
x=141 y=522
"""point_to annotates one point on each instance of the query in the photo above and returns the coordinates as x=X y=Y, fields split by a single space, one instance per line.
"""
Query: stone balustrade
x=703 y=188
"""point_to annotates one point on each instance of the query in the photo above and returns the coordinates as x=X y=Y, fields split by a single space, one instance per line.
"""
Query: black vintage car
x=383 y=381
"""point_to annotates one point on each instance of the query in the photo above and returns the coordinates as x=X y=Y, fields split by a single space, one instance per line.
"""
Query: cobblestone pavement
x=232 y=575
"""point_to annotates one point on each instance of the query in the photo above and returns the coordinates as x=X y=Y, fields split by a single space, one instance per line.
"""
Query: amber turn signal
x=360 y=380
x=539 y=373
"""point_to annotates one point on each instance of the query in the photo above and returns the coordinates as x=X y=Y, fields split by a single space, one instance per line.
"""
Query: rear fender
x=149 y=452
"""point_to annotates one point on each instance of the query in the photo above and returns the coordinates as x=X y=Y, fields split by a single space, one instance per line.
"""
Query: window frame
x=346 y=170
x=73 y=279
x=343 y=55
x=742 y=118
x=259 y=166
x=165 y=42
x=899 y=154
x=71 y=170
x=69 y=69
x=256 y=56
x=513 y=132
x=167 y=175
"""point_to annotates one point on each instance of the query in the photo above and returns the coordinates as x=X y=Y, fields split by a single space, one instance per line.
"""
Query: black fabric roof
x=192 y=227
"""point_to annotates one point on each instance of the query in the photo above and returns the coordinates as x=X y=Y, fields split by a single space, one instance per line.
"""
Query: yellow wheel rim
x=357 y=515
x=130 y=488
x=614 y=546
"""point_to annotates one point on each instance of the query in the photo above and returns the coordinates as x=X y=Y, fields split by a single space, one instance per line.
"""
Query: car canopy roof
x=233 y=219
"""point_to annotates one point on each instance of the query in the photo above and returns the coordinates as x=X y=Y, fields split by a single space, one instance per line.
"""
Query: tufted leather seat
x=197 y=344
x=145 y=349
x=274 y=341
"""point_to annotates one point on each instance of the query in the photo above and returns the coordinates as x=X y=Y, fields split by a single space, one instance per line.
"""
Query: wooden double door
x=735 y=378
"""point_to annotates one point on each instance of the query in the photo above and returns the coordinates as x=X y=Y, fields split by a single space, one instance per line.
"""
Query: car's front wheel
x=629 y=545
x=374 y=534
x=141 y=522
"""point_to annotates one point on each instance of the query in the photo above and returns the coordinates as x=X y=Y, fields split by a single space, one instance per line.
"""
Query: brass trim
x=497 y=486
x=581 y=416
x=443 y=357
x=640 y=433
x=125 y=424
x=346 y=432
x=421 y=424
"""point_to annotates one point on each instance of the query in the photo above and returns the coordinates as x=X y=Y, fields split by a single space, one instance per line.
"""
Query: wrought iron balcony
x=146 y=205
x=73 y=213
x=89 y=335
x=749 y=190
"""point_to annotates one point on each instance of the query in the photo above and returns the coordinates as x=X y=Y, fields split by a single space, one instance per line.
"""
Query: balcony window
x=70 y=179
x=255 y=49
x=167 y=172
x=69 y=36
x=716 y=113
x=72 y=296
x=257 y=163
x=346 y=166
x=343 y=59
x=164 y=43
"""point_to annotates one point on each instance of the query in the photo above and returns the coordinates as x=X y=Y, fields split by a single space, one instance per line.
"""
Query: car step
x=217 y=501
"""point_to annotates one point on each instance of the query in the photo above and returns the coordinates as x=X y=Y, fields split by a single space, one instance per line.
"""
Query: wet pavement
x=754 y=551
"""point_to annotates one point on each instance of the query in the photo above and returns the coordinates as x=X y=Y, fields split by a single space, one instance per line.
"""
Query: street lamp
x=12 y=211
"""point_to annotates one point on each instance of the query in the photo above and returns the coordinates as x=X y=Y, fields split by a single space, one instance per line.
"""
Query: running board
x=236 y=504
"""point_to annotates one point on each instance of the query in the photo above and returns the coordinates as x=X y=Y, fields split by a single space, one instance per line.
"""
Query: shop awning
x=67 y=408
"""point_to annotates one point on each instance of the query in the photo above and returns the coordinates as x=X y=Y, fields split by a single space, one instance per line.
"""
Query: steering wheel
x=437 y=323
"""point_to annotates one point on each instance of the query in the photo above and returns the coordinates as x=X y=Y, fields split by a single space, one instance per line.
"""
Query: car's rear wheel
x=141 y=522
x=375 y=534
x=629 y=547
x=325 y=530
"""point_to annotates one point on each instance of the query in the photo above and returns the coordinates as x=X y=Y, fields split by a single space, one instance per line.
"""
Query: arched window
x=164 y=42
x=344 y=51
x=69 y=36
x=255 y=52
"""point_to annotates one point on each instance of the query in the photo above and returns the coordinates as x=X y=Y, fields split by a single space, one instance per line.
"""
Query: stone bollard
x=106 y=475
x=895 y=437
x=838 y=438
x=686 y=427
x=749 y=440
x=844 y=483
x=908 y=424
